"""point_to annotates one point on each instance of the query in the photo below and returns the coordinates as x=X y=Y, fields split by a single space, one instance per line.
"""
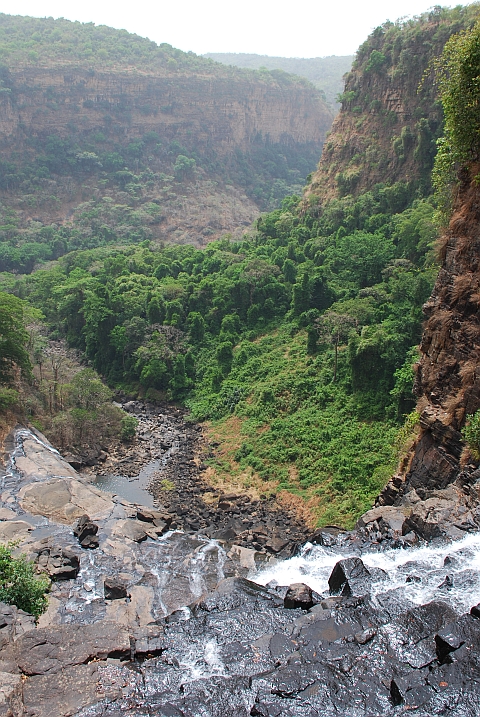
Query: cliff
x=326 y=73
x=214 y=114
x=390 y=118
x=447 y=381
x=188 y=148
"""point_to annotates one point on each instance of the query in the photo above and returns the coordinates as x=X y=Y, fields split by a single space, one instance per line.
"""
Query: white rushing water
x=425 y=568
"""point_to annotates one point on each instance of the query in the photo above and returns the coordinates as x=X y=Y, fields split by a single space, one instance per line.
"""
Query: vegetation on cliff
x=391 y=115
x=107 y=137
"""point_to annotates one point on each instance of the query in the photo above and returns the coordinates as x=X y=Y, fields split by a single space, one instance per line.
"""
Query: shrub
x=471 y=434
x=8 y=397
x=129 y=426
x=19 y=585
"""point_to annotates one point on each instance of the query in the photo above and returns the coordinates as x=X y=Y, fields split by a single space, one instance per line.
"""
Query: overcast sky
x=309 y=28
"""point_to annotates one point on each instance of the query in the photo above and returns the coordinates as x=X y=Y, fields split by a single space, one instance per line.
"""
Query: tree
x=19 y=585
x=196 y=326
x=86 y=390
x=334 y=327
x=156 y=310
x=184 y=167
x=13 y=338
x=301 y=295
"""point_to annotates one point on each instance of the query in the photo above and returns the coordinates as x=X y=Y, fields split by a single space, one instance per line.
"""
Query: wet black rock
x=464 y=631
x=86 y=532
x=298 y=595
x=350 y=577
x=114 y=588
x=475 y=611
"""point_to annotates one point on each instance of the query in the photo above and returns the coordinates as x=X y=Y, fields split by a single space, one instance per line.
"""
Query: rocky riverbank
x=146 y=621
x=167 y=456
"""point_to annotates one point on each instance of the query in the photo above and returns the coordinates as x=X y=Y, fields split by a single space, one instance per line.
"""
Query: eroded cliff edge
x=447 y=376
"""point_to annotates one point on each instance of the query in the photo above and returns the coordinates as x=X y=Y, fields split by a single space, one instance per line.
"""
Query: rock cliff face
x=448 y=378
x=89 y=103
x=216 y=114
x=390 y=118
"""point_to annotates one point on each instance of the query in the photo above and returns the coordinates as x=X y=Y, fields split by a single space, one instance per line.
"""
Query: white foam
x=315 y=564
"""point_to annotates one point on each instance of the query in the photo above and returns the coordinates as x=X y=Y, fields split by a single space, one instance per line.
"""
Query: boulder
x=298 y=595
x=475 y=611
x=387 y=518
x=421 y=622
x=114 y=588
x=86 y=532
x=58 y=563
x=130 y=529
x=325 y=536
x=276 y=544
x=431 y=518
x=464 y=631
x=157 y=517
x=349 y=578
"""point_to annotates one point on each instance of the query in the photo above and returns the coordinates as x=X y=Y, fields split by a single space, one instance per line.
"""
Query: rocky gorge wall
x=390 y=117
x=242 y=132
x=208 y=111
x=447 y=376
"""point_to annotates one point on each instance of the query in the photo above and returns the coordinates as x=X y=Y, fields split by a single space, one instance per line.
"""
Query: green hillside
x=295 y=345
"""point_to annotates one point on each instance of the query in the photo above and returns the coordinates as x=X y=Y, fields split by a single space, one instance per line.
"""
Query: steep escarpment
x=390 y=119
x=109 y=136
x=326 y=73
x=447 y=378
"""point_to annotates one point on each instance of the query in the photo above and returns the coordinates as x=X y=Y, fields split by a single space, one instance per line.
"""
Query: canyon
x=173 y=597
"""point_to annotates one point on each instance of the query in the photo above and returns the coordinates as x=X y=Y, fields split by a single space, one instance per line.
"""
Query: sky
x=310 y=28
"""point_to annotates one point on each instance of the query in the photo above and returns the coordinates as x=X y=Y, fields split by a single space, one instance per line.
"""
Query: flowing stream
x=416 y=574
x=236 y=651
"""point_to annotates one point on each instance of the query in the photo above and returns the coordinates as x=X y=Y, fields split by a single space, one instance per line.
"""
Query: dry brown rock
x=131 y=529
x=64 y=500
x=66 y=692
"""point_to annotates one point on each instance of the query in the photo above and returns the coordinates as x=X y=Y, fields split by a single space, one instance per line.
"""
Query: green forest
x=295 y=345
x=304 y=334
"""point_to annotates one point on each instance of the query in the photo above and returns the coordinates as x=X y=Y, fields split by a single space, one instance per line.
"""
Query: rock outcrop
x=439 y=491
x=386 y=129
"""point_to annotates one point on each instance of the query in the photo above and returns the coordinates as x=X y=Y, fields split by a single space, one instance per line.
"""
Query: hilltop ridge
x=106 y=135
x=326 y=73
x=391 y=116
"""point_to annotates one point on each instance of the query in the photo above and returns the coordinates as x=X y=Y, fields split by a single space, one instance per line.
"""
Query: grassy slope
x=296 y=431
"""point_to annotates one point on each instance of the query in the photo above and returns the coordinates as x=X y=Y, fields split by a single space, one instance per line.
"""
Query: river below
x=205 y=626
